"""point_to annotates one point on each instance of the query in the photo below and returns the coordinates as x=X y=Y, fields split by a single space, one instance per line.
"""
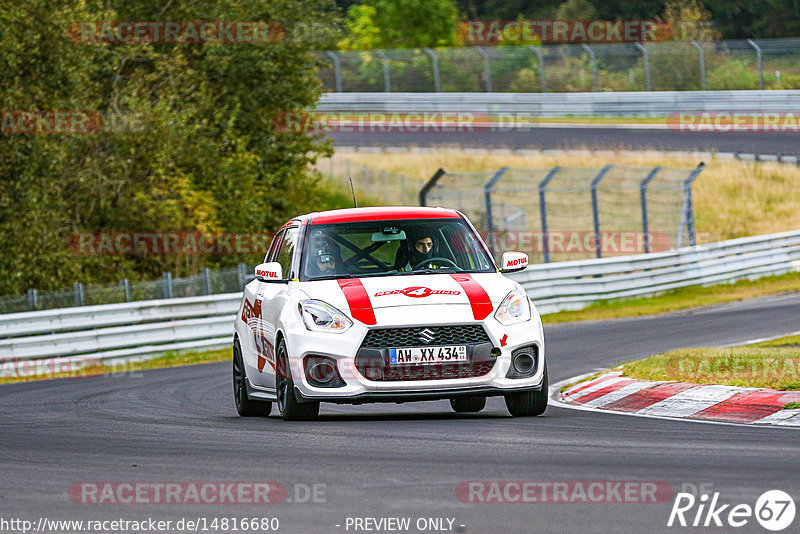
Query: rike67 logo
x=417 y=292
x=774 y=510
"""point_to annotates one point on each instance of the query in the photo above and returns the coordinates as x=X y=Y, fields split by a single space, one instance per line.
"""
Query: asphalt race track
x=583 y=138
x=178 y=425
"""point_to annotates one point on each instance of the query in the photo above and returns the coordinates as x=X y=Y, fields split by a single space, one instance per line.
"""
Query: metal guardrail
x=653 y=104
x=154 y=327
x=572 y=285
x=664 y=65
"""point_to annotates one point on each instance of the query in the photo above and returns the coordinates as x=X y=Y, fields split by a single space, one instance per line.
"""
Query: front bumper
x=343 y=348
x=411 y=396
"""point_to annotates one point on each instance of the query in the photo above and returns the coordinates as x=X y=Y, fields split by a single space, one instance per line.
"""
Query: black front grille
x=436 y=372
x=410 y=337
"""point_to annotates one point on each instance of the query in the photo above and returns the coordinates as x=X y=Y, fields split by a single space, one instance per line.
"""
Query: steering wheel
x=436 y=260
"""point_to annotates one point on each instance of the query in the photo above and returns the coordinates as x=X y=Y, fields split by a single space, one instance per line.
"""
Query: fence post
x=435 y=67
x=387 y=86
x=542 y=72
x=702 y=55
x=78 y=288
x=646 y=57
x=126 y=288
x=207 y=280
x=33 y=299
x=688 y=207
x=543 y=211
x=337 y=73
x=643 y=197
x=487 y=196
x=423 y=193
x=593 y=58
x=167 y=280
x=242 y=272
x=758 y=62
x=598 y=242
x=487 y=68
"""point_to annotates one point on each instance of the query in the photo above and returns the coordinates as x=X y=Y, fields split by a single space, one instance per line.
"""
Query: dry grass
x=732 y=198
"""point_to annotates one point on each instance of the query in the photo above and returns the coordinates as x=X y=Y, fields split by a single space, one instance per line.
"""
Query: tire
x=528 y=403
x=245 y=406
x=288 y=407
x=468 y=404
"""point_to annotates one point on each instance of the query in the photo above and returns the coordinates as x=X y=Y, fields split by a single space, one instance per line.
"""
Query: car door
x=270 y=298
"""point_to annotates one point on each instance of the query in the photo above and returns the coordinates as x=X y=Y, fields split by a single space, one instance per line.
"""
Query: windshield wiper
x=332 y=277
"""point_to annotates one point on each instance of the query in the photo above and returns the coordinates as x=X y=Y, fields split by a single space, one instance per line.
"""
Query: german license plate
x=424 y=355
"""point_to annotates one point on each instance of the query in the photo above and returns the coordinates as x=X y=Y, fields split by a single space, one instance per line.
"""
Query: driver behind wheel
x=418 y=247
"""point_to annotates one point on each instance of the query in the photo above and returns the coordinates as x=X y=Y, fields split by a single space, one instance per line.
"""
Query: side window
x=272 y=251
x=286 y=251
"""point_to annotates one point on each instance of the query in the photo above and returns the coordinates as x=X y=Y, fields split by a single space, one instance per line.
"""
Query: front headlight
x=515 y=308
x=320 y=316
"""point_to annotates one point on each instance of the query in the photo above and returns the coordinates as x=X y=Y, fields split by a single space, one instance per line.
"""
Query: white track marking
x=621 y=393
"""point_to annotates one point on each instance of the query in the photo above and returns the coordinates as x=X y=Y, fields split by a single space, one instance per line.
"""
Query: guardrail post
x=758 y=62
x=688 y=207
x=646 y=58
x=423 y=193
x=387 y=86
x=543 y=212
x=542 y=72
x=643 y=197
x=596 y=211
x=126 y=289
x=702 y=55
x=78 y=288
x=337 y=72
x=487 y=68
x=242 y=272
x=167 y=279
x=435 y=67
x=33 y=299
x=207 y=281
x=487 y=195
x=593 y=59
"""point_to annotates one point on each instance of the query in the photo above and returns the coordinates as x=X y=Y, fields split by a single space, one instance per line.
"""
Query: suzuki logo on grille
x=427 y=336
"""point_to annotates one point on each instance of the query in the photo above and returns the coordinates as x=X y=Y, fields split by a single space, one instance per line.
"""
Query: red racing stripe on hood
x=358 y=300
x=478 y=297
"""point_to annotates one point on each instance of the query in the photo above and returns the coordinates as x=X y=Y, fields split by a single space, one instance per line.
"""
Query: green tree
x=400 y=24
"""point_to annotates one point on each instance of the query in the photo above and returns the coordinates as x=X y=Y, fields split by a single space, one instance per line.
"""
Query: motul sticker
x=417 y=292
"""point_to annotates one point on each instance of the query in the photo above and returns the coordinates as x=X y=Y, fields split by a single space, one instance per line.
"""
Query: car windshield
x=380 y=248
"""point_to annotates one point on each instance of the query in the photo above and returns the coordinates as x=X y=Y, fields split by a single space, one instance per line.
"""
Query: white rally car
x=386 y=304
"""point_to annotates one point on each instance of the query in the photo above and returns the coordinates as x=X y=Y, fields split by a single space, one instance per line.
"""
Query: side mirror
x=269 y=272
x=513 y=262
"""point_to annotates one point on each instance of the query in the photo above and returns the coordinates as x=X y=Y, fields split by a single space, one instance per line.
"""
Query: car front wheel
x=528 y=403
x=468 y=404
x=289 y=408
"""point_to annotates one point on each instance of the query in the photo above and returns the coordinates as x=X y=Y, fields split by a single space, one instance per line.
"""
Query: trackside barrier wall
x=154 y=327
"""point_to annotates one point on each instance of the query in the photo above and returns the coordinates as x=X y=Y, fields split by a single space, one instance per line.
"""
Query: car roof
x=375 y=214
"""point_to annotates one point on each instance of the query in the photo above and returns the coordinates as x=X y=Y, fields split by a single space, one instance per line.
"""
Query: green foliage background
x=188 y=143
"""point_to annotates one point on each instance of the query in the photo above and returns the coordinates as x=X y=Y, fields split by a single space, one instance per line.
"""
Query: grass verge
x=774 y=365
x=680 y=299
